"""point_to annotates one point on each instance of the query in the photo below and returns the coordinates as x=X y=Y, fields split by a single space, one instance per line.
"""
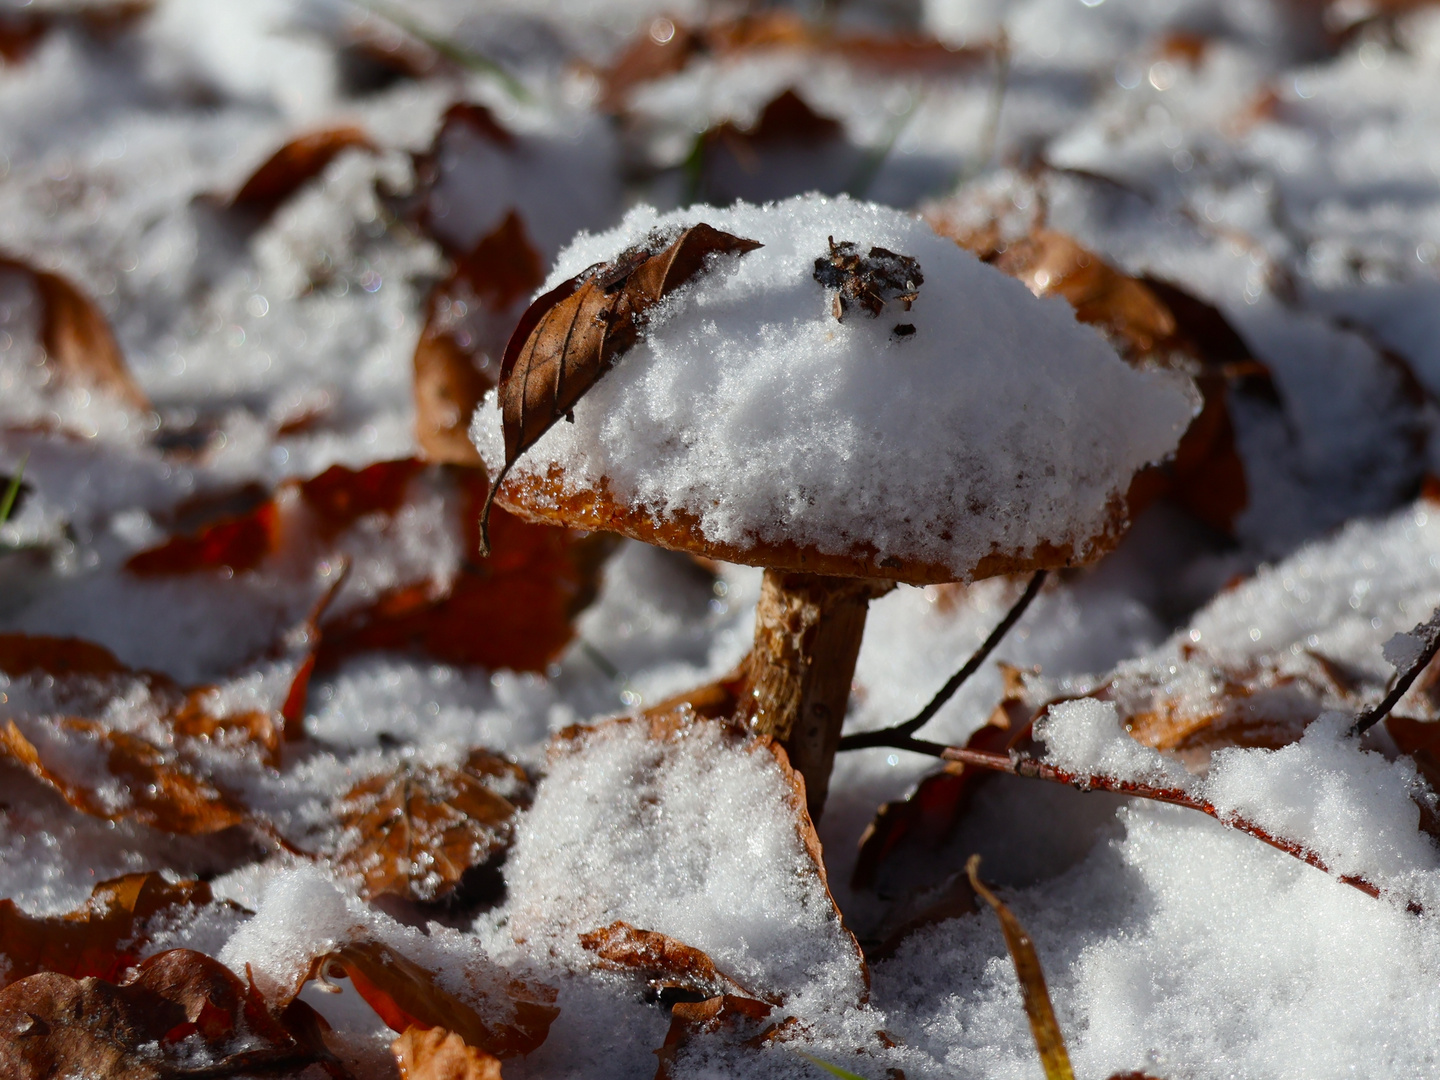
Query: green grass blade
x=833 y=1070
x=12 y=491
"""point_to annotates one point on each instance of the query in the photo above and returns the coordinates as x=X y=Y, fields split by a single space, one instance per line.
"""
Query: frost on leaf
x=178 y=1010
x=103 y=937
x=415 y=832
x=868 y=281
x=135 y=779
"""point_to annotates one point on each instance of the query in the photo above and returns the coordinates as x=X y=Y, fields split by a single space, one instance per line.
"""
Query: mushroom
x=853 y=403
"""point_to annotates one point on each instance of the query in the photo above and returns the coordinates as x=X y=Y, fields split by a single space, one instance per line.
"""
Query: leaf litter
x=1227 y=647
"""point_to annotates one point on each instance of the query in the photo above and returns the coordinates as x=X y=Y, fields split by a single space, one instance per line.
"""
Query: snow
x=1085 y=737
x=1284 y=169
x=993 y=428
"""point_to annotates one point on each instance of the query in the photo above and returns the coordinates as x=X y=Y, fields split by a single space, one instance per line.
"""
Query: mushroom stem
x=807 y=635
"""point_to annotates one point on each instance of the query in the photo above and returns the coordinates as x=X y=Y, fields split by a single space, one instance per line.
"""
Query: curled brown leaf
x=295 y=164
x=79 y=345
x=666 y=962
x=467 y=322
x=569 y=337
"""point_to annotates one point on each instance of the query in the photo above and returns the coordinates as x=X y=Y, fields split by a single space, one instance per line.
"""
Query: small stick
x=485 y=511
x=1022 y=765
x=1429 y=633
x=899 y=735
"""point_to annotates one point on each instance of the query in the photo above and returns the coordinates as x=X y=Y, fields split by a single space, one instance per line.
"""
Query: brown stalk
x=807 y=636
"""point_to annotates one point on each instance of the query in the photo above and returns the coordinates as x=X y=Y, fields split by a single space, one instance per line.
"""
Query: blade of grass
x=12 y=491
x=833 y=1070
x=1046 y=1029
x=465 y=58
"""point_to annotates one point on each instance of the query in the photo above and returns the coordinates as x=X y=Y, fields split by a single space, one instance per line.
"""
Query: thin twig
x=899 y=735
x=1429 y=633
x=1032 y=768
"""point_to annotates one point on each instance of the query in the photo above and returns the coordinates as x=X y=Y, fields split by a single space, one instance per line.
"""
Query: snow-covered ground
x=1277 y=160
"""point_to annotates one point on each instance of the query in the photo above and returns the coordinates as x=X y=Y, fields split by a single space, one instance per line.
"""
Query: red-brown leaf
x=102 y=938
x=405 y=995
x=79 y=346
x=661 y=959
x=295 y=164
x=175 y=1007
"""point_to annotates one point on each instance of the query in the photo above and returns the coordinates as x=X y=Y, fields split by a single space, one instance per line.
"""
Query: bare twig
x=899 y=736
x=1429 y=635
x=1022 y=765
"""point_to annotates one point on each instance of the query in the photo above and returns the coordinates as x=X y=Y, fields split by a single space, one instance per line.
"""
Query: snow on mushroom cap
x=998 y=425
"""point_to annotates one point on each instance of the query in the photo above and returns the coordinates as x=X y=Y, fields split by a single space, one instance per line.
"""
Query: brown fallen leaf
x=667 y=963
x=415 y=832
x=79 y=346
x=514 y=608
x=405 y=995
x=437 y=1054
x=1148 y=321
x=467 y=322
x=130 y=778
x=667 y=48
x=569 y=337
x=294 y=165
x=22 y=30
x=175 y=1008
x=86 y=674
x=103 y=937
x=331 y=502
x=1048 y=1041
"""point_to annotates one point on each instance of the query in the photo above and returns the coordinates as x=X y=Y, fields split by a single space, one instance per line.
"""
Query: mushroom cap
x=749 y=424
